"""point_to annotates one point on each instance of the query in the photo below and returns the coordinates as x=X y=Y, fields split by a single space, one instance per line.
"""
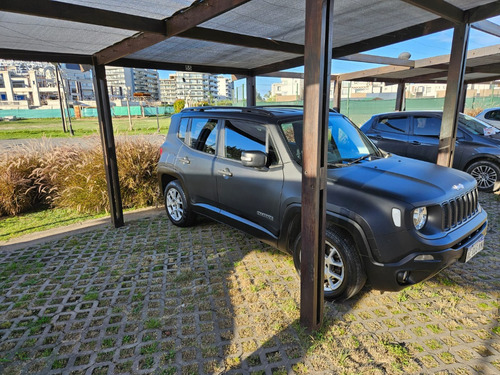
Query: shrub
x=137 y=172
x=16 y=192
x=74 y=177
x=473 y=111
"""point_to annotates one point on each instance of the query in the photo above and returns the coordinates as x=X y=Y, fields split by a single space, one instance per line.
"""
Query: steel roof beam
x=14 y=54
x=487 y=27
x=440 y=8
x=147 y=64
x=366 y=45
x=241 y=40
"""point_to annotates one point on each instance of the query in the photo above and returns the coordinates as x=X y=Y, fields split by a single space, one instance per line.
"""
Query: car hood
x=408 y=180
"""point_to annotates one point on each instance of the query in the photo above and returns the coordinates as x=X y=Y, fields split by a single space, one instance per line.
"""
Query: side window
x=181 y=133
x=242 y=136
x=429 y=126
x=204 y=135
x=398 y=125
x=493 y=115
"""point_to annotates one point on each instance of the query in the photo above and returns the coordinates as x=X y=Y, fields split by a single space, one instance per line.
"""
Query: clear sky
x=420 y=48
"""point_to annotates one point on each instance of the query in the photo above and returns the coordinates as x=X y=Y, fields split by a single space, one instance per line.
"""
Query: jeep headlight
x=419 y=217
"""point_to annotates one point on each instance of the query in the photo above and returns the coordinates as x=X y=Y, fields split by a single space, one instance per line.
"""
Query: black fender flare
x=291 y=226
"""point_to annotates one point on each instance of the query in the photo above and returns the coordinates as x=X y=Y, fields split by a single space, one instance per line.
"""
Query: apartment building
x=195 y=88
x=168 y=92
x=125 y=82
x=225 y=88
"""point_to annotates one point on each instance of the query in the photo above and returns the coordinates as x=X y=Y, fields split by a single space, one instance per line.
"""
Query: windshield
x=346 y=143
x=476 y=126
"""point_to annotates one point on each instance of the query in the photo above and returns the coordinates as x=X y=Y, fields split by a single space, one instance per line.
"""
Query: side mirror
x=255 y=159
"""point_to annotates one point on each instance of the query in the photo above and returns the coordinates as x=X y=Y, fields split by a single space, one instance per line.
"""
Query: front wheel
x=176 y=204
x=344 y=275
x=486 y=173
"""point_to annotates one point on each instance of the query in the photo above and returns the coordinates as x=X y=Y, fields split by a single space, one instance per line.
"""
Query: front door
x=390 y=133
x=250 y=195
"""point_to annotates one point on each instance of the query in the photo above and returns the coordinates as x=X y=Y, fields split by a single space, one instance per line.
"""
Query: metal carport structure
x=482 y=65
x=247 y=38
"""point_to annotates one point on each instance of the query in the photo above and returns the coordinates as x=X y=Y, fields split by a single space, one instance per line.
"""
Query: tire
x=344 y=273
x=176 y=204
x=486 y=173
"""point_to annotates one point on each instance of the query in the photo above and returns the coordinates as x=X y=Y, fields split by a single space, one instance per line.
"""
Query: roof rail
x=229 y=109
x=332 y=110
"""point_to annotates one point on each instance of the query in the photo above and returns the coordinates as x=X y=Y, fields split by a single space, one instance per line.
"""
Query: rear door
x=390 y=133
x=424 y=142
x=250 y=195
x=196 y=157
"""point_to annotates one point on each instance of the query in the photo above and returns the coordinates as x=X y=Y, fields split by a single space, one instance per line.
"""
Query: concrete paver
x=151 y=298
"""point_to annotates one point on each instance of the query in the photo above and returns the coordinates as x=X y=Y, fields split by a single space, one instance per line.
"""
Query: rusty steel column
x=337 y=94
x=463 y=98
x=108 y=144
x=251 y=91
x=400 y=96
x=317 y=58
x=454 y=87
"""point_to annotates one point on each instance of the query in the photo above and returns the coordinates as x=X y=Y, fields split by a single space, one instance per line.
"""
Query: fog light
x=402 y=277
x=425 y=257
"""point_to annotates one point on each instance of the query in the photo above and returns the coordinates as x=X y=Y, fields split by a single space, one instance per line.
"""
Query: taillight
x=161 y=150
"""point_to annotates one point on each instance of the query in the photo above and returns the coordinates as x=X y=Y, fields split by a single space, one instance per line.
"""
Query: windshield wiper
x=337 y=165
x=359 y=159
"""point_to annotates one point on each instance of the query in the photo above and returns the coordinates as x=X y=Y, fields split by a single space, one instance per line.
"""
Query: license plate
x=475 y=248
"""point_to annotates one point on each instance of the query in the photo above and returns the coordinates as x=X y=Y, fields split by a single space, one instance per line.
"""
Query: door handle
x=185 y=160
x=416 y=143
x=225 y=172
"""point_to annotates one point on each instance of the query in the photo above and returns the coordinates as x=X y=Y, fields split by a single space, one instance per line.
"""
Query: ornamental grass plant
x=74 y=177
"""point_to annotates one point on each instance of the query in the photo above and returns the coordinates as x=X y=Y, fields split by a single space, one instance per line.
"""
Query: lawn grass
x=11 y=227
x=52 y=127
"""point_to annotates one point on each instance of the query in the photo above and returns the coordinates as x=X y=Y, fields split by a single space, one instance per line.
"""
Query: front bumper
x=408 y=271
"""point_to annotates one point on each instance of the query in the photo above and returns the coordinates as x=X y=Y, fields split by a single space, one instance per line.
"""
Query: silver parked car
x=491 y=116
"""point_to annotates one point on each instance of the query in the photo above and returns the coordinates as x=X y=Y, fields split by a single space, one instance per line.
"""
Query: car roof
x=410 y=113
x=276 y=112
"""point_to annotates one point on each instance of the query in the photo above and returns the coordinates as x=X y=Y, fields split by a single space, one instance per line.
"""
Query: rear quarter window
x=181 y=133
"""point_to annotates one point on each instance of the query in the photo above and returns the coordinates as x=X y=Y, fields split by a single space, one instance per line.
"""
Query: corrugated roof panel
x=185 y=51
x=145 y=8
x=18 y=31
x=353 y=19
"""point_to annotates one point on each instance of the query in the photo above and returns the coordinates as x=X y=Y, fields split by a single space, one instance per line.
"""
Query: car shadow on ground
x=154 y=298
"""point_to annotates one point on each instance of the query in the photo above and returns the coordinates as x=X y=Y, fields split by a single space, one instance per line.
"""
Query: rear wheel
x=344 y=275
x=176 y=204
x=486 y=173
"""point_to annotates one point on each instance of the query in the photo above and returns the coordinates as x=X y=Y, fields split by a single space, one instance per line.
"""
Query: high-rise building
x=127 y=82
x=225 y=88
x=195 y=88
x=168 y=92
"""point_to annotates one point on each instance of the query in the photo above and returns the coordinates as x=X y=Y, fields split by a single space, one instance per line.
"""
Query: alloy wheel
x=334 y=268
x=175 y=206
x=485 y=176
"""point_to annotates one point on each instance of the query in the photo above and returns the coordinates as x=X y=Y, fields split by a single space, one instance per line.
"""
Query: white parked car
x=491 y=116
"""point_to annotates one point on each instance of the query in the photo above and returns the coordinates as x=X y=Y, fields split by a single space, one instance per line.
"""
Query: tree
x=179 y=104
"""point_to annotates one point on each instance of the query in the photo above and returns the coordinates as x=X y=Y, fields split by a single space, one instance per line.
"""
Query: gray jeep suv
x=392 y=221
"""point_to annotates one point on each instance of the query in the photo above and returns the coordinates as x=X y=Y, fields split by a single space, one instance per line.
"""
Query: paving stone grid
x=150 y=298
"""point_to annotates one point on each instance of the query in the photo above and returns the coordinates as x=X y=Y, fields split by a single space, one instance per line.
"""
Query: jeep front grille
x=459 y=209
